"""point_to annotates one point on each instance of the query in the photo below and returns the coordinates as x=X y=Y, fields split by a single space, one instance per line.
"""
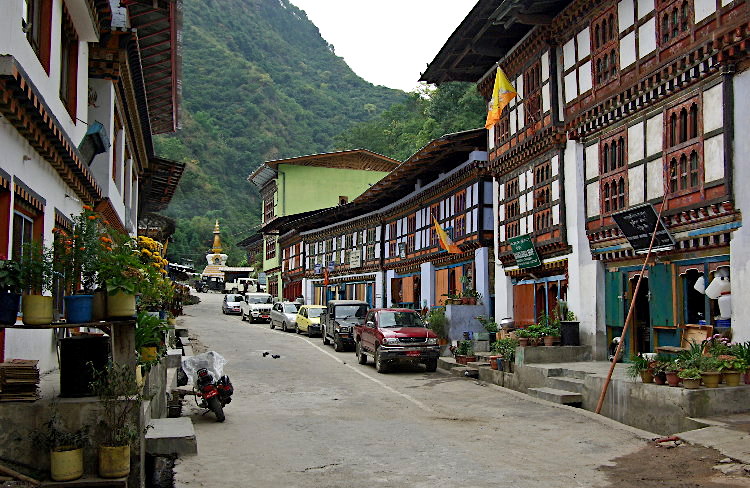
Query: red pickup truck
x=393 y=336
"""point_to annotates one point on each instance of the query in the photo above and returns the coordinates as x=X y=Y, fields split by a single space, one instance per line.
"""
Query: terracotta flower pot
x=672 y=378
x=711 y=379
x=493 y=362
x=660 y=379
x=549 y=341
x=691 y=383
x=746 y=376
x=523 y=341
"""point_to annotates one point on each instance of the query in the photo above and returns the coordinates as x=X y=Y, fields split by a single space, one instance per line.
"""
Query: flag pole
x=630 y=314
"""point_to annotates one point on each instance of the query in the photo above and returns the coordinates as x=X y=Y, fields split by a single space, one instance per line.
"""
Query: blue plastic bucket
x=78 y=308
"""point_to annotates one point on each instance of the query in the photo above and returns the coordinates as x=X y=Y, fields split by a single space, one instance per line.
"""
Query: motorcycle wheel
x=214 y=404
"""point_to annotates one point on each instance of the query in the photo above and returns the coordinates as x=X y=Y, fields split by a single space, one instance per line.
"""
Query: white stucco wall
x=482 y=278
x=585 y=275
x=427 y=284
x=739 y=249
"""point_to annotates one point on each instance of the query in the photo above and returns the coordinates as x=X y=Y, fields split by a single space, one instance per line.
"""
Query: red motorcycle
x=214 y=395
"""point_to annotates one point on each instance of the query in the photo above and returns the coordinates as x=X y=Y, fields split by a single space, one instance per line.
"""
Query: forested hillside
x=260 y=83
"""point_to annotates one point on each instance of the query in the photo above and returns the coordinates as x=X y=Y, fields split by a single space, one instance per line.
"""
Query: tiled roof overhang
x=160 y=181
x=486 y=35
x=256 y=238
x=158 y=24
x=24 y=107
x=360 y=159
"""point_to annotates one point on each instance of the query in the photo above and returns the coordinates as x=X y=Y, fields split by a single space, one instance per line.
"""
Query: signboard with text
x=355 y=258
x=638 y=223
x=524 y=251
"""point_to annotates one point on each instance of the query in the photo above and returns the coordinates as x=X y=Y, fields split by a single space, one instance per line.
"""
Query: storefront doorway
x=640 y=325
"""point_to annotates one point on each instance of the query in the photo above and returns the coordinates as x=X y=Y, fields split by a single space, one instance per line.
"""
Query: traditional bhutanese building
x=383 y=247
x=84 y=85
x=622 y=106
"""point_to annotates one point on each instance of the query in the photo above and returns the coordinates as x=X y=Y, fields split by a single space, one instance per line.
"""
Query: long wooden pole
x=18 y=476
x=630 y=314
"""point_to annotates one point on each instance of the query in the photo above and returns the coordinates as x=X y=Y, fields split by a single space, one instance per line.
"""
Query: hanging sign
x=524 y=251
x=402 y=250
x=355 y=258
x=262 y=278
x=318 y=268
x=331 y=266
x=638 y=223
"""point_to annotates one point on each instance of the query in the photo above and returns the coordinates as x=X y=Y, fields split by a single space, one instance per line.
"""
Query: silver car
x=283 y=315
x=231 y=304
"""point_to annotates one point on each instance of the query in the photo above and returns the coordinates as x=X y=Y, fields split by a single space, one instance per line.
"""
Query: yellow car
x=308 y=319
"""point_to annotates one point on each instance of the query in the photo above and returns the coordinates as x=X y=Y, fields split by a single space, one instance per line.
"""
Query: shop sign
x=638 y=223
x=355 y=258
x=318 y=268
x=402 y=250
x=331 y=266
x=262 y=279
x=524 y=251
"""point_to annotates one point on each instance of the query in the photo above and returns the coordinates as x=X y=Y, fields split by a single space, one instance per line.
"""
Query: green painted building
x=292 y=187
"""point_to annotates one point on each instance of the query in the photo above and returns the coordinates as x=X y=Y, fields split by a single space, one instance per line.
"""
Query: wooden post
x=123 y=342
x=630 y=314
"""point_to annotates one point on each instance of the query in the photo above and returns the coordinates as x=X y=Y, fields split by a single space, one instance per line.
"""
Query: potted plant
x=465 y=352
x=506 y=349
x=149 y=337
x=121 y=397
x=742 y=351
x=659 y=370
x=536 y=332
x=640 y=366
x=691 y=378
x=10 y=291
x=524 y=335
x=569 y=324
x=731 y=368
x=437 y=321
x=710 y=374
x=671 y=368
x=65 y=447
x=121 y=274
x=36 y=278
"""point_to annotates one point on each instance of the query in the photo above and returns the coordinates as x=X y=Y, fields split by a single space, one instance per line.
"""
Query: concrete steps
x=171 y=436
x=554 y=395
x=565 y=383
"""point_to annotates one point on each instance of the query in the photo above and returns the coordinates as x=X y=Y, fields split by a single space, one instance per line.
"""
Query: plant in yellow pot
x=65 y=447
x=120 y=273
x=121 y=397
x=149 y=338
x=36 y=278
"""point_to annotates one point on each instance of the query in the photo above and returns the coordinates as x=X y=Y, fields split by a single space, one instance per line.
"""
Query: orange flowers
x=92 y=217
x=88 y=207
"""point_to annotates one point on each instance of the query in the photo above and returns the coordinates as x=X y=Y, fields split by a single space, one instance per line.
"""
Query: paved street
x=316 y=418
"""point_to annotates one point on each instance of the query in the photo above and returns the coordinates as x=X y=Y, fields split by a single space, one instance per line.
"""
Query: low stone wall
x=461 y=318
x=554 y=354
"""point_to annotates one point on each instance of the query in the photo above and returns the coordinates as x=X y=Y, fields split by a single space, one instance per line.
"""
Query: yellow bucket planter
x=120 y=304
x=37 y=309
x=149 y=353
x=66 y=465
x=114 y=461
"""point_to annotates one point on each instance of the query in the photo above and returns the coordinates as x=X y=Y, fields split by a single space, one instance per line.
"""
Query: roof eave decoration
x=360 y=159
x=159 y=24
x=25 y=108
x=486 y=35
x=161 y=179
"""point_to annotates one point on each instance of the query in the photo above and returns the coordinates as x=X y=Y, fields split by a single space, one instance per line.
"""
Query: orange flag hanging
x=502 y=93
x=445 y=241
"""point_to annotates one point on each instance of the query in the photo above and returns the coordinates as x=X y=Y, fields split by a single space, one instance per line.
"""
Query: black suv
x=338 y=320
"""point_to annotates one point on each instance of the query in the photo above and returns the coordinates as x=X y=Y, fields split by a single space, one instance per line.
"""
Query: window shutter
x=660 y=287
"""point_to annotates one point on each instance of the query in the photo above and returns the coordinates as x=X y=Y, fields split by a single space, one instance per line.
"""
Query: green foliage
x=506 y=348
x=120 y=268
x=149 y=330
x=731 y=363
x=10 y=276
x=121 y=397
x=488 y=323
x=36 y=267
x=259 y=83
x=437 y=320
x=692 y=357
x=709 y=364
x=638 y=363
x=465 y=348
x=741 y=350
x=54 y=435
x=689 y=374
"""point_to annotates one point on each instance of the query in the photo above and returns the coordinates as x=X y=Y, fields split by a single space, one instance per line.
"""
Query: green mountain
x=259 y=83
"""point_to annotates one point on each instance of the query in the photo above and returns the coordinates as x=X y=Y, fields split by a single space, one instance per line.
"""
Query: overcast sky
x=387 y=42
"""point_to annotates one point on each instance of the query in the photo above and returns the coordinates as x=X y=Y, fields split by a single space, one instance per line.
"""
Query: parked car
x=231 y=304
x=284 y=315
x=256 y=307
x=338 y=321
x=308 y=319
x=394 y=336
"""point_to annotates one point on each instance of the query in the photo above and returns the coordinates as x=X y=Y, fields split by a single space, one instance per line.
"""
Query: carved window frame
x=675 y=20
x=613 y=172
x=605 y=48
x=532 y=91
x=684 y=170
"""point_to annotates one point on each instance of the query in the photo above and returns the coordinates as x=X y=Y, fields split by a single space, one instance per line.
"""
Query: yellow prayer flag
x=445 y=241
x=502 y=93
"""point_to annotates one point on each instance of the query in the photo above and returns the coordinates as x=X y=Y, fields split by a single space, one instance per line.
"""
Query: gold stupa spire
x=217 y=240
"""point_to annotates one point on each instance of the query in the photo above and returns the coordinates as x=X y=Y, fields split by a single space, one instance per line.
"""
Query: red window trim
x=602 y=48
x=681 y=140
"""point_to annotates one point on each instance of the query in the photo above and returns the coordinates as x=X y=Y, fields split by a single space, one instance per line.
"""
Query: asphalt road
x=316 y=418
